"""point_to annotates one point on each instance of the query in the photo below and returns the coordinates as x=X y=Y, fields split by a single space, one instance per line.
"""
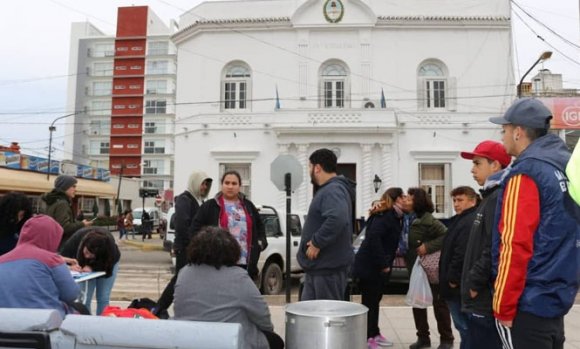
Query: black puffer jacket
x=453 y=253
x=378 y=249
x=477 y=265
x=209 y=215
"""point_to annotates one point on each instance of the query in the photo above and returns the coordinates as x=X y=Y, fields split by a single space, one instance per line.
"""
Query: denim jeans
x=459 y=321
x=104 y=286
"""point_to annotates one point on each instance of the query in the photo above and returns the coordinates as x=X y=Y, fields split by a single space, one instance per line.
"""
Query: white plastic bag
x=419 y=295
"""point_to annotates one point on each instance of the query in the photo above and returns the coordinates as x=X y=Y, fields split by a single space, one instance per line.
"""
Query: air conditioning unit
x=152 y=92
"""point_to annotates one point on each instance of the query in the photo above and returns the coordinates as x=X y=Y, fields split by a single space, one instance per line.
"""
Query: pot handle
x=334 y=323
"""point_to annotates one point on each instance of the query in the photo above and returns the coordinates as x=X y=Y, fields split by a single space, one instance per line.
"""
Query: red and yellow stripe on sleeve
x=520 y=216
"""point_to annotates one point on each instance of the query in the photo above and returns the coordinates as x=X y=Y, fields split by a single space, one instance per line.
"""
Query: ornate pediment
x=333 y=13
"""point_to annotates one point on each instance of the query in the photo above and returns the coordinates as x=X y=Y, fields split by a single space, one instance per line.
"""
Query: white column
x=302 y=194
x=386 y=166
x=367 y=176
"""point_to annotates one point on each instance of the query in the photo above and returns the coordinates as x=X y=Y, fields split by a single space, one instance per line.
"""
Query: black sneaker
x=421 y=343
x=445 y=346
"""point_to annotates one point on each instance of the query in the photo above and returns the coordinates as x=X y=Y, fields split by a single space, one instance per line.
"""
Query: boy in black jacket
x=489 y=159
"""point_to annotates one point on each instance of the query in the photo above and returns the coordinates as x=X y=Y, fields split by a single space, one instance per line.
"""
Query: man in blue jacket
x=534 y=250
x=325 y=251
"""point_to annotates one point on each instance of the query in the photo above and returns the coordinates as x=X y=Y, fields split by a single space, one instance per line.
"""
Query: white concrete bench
x=84 y=332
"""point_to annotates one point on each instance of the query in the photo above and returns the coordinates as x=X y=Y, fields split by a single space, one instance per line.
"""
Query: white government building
x=445 y=67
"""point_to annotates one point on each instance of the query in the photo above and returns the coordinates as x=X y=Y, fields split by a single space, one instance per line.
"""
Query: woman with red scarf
x=232 y=211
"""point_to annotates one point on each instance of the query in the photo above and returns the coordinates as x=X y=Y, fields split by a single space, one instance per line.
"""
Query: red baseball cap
x=490 y=150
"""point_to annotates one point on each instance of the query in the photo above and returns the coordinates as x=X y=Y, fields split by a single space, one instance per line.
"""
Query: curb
x=144 y=246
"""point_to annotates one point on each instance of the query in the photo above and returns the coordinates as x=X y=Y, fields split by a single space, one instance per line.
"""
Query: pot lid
x=327 y=308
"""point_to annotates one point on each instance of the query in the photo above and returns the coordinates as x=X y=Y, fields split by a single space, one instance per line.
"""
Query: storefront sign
x=565 y=111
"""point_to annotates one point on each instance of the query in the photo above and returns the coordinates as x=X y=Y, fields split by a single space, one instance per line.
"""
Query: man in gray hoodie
x=325 y=251
x=186 y=206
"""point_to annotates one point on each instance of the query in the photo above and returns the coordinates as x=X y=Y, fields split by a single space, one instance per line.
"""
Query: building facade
x=395 y=90
x=122 y=89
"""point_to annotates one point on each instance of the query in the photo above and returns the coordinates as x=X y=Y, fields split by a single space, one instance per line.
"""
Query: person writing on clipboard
x=95 y=250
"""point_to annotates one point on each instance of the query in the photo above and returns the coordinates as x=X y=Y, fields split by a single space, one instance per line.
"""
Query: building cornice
x=382 y=21
x=229 y=24
x=462 y=21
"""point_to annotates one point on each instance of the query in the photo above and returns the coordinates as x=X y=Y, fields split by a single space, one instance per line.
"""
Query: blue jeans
x=122 y=232
x=459 y=321
x=104 y=286
x=482 y=333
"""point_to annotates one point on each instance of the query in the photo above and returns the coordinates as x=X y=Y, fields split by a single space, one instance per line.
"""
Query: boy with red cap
x=489 y=159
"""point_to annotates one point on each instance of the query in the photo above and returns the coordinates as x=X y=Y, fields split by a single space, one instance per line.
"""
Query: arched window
x=334 y=78
x=433 y=85
x=236 y=82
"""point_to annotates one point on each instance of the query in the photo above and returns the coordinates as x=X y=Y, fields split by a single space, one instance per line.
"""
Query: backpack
x=150 y=305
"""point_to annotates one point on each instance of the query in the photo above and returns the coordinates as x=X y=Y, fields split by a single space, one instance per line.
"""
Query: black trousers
x=371 y=290
x=274 y=341
x=166 y=298
x=533 y=332
x=441 y=315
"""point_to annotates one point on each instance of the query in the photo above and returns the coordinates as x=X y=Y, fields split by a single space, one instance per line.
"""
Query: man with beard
x=186 y=206
x=325 y=251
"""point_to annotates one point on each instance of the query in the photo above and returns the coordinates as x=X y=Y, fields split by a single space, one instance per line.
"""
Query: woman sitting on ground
x=33 y=275
x=212 y=288
x=95 y=250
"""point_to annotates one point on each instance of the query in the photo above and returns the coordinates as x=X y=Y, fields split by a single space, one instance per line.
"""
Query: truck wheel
x=272 y=279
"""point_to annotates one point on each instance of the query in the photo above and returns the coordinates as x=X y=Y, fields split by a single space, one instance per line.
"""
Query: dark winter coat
x=477 y=262
x=453 y=253
x=428 y=230
x=378 y=249
x=186 y=207
x=59 y=208
x=72 y=249
x=209 y=215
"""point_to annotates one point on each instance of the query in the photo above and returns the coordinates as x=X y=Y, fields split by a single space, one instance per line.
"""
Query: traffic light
x=148 y=192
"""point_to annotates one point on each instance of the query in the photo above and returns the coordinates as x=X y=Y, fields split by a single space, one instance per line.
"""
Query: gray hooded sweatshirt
x=329 y=225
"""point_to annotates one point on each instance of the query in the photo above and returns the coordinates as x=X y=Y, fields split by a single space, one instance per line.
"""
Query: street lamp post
x=51 y=129
x=544 y=56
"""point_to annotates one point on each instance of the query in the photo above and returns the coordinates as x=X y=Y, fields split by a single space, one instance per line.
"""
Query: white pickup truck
x=272 y=260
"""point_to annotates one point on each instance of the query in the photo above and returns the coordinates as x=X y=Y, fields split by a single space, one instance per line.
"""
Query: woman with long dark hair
x=426 y=235
x=232 y=211
x=374 y=259
x=212 y=288
x=95 y=250
x=15 y=210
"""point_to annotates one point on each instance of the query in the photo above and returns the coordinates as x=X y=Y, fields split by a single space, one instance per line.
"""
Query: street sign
x=283 y=164
x=148 y=192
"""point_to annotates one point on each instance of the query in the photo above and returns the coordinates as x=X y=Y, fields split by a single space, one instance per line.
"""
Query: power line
x=545 y=26
x=545 y=41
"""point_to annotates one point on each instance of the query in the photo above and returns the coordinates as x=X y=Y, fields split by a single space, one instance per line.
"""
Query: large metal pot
x=326 y=324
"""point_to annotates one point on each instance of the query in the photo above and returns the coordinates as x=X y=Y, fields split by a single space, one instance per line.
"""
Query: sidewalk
x=396 y=322
x=153 y=244
x=397 y=325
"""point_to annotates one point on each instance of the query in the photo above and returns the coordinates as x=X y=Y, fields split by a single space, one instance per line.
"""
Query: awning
x=36 y=182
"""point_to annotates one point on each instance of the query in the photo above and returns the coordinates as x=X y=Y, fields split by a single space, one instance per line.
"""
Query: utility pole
x=51 y=129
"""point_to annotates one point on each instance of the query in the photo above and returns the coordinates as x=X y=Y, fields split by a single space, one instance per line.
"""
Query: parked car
x=153 y=213
x=272 y=262
x=170 y=234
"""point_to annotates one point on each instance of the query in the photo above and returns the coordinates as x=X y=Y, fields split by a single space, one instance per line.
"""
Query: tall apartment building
x=122 y=90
